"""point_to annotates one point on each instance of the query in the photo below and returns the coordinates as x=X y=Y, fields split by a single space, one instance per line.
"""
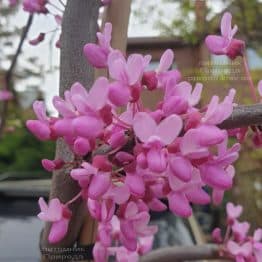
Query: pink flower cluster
x=5 y=95
x=236 y=243
x=226 y=44
x=173 y=152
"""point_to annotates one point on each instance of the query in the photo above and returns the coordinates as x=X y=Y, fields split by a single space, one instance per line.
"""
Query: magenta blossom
x=97 y=54
x=5 y=95
x=58 y=214
x=225 y=44
x=236 y=243
x=35 y=6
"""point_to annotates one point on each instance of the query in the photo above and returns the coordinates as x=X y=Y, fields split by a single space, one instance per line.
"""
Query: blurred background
x=155 y=25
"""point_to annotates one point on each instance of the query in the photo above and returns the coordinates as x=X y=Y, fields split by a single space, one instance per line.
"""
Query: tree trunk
x=79 y=27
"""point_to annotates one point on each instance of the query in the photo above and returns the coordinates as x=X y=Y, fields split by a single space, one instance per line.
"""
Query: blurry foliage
x=20 y=152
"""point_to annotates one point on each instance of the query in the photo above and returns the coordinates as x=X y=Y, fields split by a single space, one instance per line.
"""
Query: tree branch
x=9 y=73
x=182 y=253
x=244 y=116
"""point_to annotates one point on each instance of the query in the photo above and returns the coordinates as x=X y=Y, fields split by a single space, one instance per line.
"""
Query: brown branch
x=182 y=253
x=244 y=116
x=9 y=73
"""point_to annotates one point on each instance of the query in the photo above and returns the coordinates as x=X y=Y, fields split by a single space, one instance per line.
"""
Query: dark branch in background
x=182 y=253
x=9 y=73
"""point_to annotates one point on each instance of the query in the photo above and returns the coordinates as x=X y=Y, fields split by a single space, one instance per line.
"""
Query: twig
x=9 y=73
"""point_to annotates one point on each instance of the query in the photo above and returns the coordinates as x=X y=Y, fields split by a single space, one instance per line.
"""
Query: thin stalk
x=250 y=81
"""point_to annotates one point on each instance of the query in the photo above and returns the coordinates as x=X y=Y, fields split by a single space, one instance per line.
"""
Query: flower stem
x=74 y=198
x=250 y=81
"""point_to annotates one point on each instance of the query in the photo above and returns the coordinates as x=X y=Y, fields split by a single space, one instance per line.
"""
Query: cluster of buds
x=237 y=244
x=174 y=151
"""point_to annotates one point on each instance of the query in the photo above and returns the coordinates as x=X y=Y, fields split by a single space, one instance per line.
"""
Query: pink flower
x=233 y=212
x=240 y=252
x=35 y=6
x=196 y=141
x=155 y=137
x=225 y=44
x=41 y=127
x=163 y=72
x=240 y=230
x=51 y=165
x=147 y=130
x=58 y=214
x=5 y=95
x=97 y=54
x=127 y=74
x=135 y=223
x=216 y=113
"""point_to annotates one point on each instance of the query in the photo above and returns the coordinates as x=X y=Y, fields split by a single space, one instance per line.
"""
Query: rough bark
x=79 y=27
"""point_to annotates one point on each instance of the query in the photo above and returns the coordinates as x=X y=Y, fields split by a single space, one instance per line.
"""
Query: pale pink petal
x=216 y=177
x=40 y=110
x=63 y=127
x=258 y=235
x=181 y=167
x=156 y=160
x=99 y=185
x=117 y=67
x=119 y=94
x=58 y=231
x=259 y=88
x=179 y=204
x=226 y=25
x=216 y=44
x=42 y=204
x=145 y=244
x=136 y=184
x=87 y=126
x=166 y=61
x=196 y=94
x=135 y=66
x=233 y=211
x=65 y=109
x=100 y=252
x=157 y=205
x=39 y=129
x=95 y=55
x=78 y=89
x=131 y=210
x=97 y=97
x=81 y=146
x=169 y=128
x=144 y=126
x=198 y=196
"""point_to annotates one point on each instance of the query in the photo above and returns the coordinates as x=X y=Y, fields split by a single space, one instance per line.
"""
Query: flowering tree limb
x=9 y=73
